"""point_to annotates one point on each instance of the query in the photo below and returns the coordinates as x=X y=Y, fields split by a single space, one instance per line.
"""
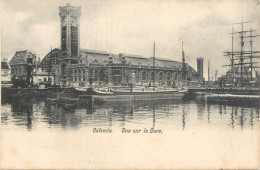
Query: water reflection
x=232 y=117
x=21 y=112
x=178 y=114
x=54 y=114
x=208 y=111
x=183 y=118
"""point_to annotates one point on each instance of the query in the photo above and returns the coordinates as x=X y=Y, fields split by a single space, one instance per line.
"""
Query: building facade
x=22 y=64
x=73 y=66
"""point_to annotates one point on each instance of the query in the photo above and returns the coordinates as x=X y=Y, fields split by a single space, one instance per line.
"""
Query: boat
x=242 y=62
x=242 y=80
x=98 y=95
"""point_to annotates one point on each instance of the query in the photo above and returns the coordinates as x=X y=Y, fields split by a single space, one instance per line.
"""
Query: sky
x=132 y=26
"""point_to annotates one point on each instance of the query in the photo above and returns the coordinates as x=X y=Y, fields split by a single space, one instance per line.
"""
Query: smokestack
x=200 y=67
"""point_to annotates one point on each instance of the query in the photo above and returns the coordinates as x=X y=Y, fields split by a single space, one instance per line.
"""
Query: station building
x=74 y=66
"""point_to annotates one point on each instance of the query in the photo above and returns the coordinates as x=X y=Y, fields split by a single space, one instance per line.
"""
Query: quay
x=242 y=95
x=245 y=100
x=231 y=97
x=235 y=91
x=51 y=92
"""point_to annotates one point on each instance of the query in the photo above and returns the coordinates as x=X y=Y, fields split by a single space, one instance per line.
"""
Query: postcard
x=109 y=84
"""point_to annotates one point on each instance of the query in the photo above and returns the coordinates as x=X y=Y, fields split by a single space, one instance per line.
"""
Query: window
x=102 y=75
x=74 y=41
x=71 y=75
x=176 y=76
x=161 y=76
x=64 y=39
x=75 y=75
x=84 y=75
x=144 y=75
x=96 y=75
x=20 y=70
x=152 y=76
x=29 y=60
x=168 y=76
x=90 y=73
x=79 y=75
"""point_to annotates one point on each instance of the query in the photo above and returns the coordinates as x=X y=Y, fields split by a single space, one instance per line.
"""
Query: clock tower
x=70 y=42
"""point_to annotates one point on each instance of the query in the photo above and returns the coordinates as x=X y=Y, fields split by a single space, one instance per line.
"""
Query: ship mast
x=154 y=66
x=208 y=71
x=243 y=55
x=183 y=62
x=49 y=70
x=251 y=52
x=232 y=56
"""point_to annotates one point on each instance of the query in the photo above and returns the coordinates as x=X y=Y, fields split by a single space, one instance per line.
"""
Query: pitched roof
x=20 y=56
x=21 y=52
x=102 y=57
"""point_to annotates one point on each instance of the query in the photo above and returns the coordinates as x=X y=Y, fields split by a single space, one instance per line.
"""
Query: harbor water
x=30 y=114
x=69 y=136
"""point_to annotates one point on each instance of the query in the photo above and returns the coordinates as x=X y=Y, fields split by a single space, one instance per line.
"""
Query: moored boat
x=135 y=95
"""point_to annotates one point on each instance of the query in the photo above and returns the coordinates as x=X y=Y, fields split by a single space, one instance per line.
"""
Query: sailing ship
x=240 y=83
x=243 y=63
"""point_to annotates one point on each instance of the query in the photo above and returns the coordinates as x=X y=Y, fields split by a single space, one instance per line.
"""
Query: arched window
x=152 y=76
x=144 y=75
x=96 y=75
x=79 y=75
x=161 y=76
x=102 y=75
x=117 y=77
x=168 y=77
x=90 y=73
x=71 y=75
x=75 y=75
x=63 y=71
x=176 y=76
x=84 y=75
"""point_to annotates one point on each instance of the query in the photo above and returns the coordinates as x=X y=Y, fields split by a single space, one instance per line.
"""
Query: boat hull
x=124 y=96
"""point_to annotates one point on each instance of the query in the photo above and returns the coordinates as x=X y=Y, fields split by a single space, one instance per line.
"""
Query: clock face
x=64 y=21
